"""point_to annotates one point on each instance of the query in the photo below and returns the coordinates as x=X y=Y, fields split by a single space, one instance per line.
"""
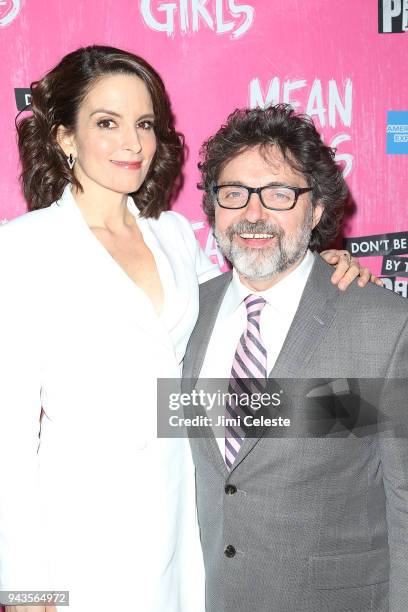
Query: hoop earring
x=71 y=161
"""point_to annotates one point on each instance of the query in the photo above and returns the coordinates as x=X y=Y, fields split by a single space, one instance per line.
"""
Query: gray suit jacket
x=317 y=524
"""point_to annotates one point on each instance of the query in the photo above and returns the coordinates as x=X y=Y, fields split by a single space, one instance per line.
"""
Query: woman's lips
x=127 y=164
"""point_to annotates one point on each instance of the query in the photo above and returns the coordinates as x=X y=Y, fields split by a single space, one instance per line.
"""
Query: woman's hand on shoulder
x=347 y=269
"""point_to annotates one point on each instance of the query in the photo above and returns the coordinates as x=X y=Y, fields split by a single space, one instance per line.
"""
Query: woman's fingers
x=347 y=269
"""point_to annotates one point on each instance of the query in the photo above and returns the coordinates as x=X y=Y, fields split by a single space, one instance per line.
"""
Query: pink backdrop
x=325 y=57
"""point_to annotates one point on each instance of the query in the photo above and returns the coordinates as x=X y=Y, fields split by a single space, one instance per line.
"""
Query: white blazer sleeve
x=205 y=268
x=23 y=564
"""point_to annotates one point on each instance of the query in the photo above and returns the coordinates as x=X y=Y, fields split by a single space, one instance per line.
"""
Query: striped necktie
x=249 y=363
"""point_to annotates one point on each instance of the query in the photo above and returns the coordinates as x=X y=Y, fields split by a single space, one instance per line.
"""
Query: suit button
x=230 y=551
x=230 y=489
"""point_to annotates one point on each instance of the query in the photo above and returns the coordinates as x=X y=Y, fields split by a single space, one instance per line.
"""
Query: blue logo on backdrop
x=397 y=132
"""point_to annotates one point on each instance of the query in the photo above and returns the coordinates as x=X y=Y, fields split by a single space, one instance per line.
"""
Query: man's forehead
x=262 y=158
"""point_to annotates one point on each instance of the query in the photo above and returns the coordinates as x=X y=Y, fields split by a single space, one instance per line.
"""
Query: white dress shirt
x=96 y=505
x=282 y=301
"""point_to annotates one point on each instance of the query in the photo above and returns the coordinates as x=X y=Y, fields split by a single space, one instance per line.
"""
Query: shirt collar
x=284 y=297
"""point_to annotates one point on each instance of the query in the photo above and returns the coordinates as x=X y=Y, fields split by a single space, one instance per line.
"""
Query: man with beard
x=315 y=520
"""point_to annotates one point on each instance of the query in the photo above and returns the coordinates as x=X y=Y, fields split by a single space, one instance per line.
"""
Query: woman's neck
x=103 y=209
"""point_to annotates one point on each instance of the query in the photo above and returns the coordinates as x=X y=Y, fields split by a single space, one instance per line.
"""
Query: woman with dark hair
x=100 y=295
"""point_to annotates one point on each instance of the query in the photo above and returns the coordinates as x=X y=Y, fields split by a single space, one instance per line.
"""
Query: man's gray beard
x=256 y=264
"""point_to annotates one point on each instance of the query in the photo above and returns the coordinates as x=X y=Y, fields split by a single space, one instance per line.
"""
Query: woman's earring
x=71 y=161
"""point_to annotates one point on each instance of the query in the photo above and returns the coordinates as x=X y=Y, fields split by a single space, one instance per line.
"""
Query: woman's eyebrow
x=106 y=111
x=110 y=112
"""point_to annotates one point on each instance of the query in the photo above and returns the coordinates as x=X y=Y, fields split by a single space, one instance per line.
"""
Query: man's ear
x=66 y=141
x=317 y=213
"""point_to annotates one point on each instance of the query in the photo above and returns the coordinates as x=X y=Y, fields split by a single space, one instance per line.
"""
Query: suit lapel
x=313 y=317
x=210 y=303
x=211 y=297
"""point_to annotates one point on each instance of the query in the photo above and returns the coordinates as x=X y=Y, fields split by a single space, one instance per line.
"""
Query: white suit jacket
x=94 y=503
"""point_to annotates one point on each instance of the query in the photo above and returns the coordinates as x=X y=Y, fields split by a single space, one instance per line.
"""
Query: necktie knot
x=254 y=305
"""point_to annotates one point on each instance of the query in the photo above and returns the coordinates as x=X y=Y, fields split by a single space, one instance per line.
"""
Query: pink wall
x=327 y=57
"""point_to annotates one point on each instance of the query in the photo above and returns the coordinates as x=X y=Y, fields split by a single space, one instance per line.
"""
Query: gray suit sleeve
x=394 y=459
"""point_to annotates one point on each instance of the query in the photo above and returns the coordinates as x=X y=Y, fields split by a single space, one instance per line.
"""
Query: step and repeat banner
x=343 y=63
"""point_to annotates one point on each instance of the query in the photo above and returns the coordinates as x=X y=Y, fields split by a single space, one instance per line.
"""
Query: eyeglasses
x=273 y=197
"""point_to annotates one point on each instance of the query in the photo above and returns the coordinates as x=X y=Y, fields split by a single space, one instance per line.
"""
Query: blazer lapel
x=210 y=302
x=313 y=317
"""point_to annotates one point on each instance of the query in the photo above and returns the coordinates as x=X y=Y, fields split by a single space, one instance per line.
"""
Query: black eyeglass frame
x=250 y=190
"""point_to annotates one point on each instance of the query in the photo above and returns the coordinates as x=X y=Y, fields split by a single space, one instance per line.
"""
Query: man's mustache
x=259 y=227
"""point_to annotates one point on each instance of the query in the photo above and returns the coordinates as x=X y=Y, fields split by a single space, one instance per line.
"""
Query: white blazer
x=90 y=500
